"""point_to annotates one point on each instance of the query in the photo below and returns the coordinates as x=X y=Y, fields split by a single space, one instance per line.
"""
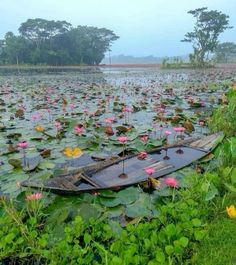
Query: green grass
x=219 y=246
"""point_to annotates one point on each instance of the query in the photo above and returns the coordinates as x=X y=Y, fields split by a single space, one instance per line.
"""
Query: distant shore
x=68 y=67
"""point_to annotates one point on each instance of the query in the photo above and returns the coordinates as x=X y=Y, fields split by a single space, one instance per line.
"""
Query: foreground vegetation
x=181 y=224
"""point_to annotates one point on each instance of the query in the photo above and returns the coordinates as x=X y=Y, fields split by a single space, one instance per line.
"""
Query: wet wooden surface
x=106 y=174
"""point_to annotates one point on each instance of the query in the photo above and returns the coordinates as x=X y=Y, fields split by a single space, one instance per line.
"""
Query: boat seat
x=160 y=165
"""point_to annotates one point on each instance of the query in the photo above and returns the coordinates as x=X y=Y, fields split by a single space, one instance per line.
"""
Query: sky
x=145 y=27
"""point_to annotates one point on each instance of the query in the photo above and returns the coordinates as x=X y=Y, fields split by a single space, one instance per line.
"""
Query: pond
x=62 y=113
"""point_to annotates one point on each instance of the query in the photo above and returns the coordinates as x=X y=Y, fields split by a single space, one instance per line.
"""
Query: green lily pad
x=128 y=195
x=137 y=210
x=46 y=165
x=109 y=202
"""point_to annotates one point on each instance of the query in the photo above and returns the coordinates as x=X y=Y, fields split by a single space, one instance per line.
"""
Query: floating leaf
x=16 y=163
x=46 y=165
x=128 y=195
x=137 y=210
x=109 y=202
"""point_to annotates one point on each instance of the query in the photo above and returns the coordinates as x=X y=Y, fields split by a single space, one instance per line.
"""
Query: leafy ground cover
x=61 y=116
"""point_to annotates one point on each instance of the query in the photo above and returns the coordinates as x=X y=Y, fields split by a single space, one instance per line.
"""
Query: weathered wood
x=105 y=174
x=92 y=182
x=161 y=165
x=206 y=143
x=64 y=183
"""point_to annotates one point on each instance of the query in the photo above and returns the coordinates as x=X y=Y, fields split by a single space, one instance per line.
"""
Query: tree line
x=50 y=42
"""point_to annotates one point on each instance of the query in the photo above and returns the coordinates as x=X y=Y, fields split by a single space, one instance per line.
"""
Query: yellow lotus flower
x=231 y=211
x=39 y=128
x=72 y=152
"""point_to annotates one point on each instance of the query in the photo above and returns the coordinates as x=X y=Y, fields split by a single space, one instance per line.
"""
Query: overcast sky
x=145 y=27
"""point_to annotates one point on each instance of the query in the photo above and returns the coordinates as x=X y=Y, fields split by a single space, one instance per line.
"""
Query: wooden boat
x=108 y=174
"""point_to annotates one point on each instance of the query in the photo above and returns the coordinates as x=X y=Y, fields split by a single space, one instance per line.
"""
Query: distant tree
x=55 y=43
x=204 y=37
x=94 y=42
x=225 y=52
x=14 y=49
x=39 y=30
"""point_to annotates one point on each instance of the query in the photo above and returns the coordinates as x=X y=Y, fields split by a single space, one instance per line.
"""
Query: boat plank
x=106 y=174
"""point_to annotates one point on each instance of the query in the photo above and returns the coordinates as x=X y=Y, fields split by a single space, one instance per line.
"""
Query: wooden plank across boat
x=106 y=174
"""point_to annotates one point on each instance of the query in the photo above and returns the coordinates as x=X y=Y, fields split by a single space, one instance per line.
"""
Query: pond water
x=156 y=101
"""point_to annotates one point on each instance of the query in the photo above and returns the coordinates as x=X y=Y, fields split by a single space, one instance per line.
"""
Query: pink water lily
x=109 y=120
x=127 y=109
x=179 y=129
x=142 y=155
x=23 y=145
x=160 y=110
x=37 y=116
x=149 y=170
x=34 y=197
x=201 y=123
x=97 y=125
x=72 y=106
x=168 y=132
x=171 y=182
x=58 y=126
x=122 y=139
x=78 y=130
x=144 y=138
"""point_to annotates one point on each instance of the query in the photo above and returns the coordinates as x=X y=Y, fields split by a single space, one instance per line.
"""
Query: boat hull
x=122 y=172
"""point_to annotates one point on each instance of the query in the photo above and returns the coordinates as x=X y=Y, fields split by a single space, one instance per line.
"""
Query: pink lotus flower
x=179 y=129
x=37 y=116
x=144 y=138
x=168 y=132
x=142 y=155
x=97 y=125
x=127 y=109
x=22 y=145
x=34 y=197
x=201 y=123
x=160 y=110
x=171 y=182
x=109 y=120
x=78 y=130
x=72 y=106
x=149 y=170
x=58 y=126
x=122 y=139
